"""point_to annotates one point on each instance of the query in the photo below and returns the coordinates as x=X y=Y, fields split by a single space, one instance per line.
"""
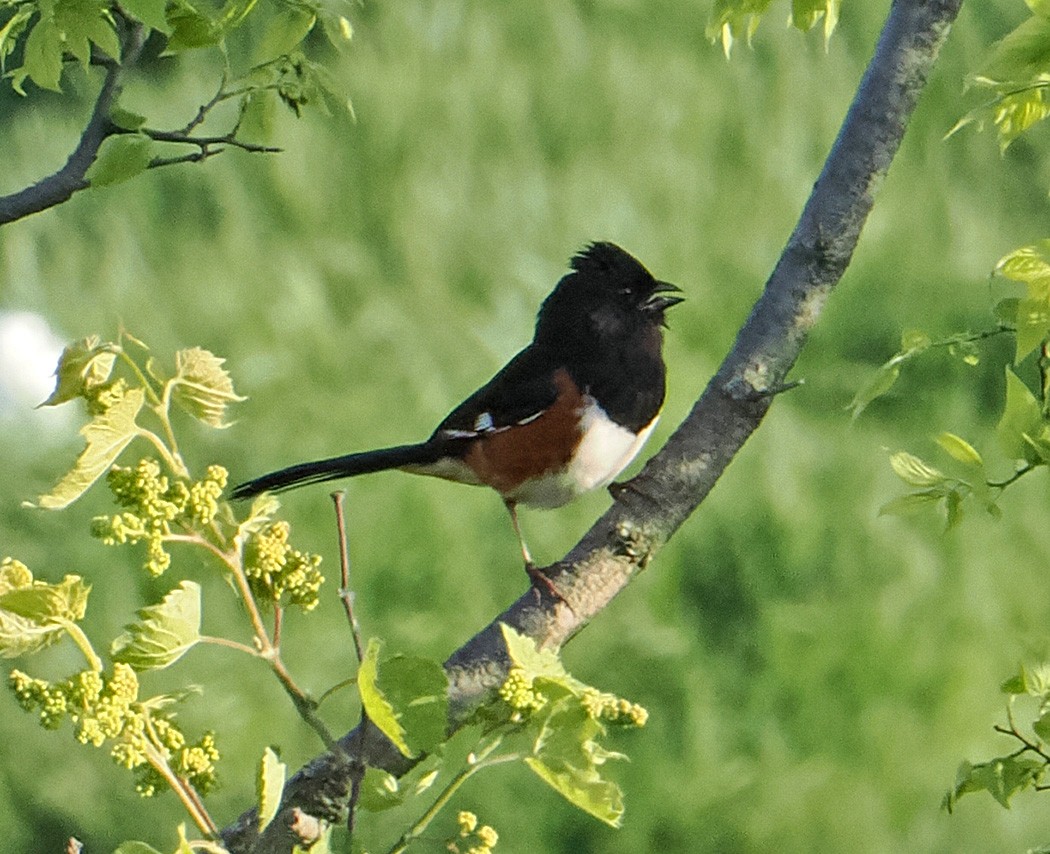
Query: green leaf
x=10 y=31
x=380 y=790
x=1028 y=265
x=806 y=13
x=135 y=848
x=150 y=12
x=33 y=613
x=375 y=703
x=164 y=632
x=190 y=28
x=914 y=472
x=880 y=382
x=1021 y=418
x=960 y=449
x=1041 y=727
x=48 y=604
x=1006 y=310
x=906 y=505
x=106 y=436
x=82 y=366
x=202 y=387
x=1022 y=55
x=1033 y=324
x=83 y=22
x=954 y=501
x=1039 y=7
x=284 y=32
x=566 y=758
x=535 y=662
x=1004 y=777
x=406 y=697
x=42 y=59
x=269 y=786
x=126 y=119
x=120 y=157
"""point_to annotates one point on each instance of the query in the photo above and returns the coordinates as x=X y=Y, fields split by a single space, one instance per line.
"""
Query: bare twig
x=346 y=595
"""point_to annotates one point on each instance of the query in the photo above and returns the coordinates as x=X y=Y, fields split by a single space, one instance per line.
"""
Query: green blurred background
x=814 y=673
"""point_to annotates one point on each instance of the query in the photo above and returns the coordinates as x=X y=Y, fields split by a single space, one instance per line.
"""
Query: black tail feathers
x=339 y=467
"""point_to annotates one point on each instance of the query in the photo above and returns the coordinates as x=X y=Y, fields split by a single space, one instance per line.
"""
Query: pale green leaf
x=135 y=847
x=202 y=387
x=1022 y=54
x=150 y=12
x=106 y=436
x=880 y=382
x=12 y=29
x=164 y=632
x=586 y=790
x=1033 y=325
x=375 y=703
x=535 y=662
x=1039 y=7
x=1021 y=418
x=959 y=449
x=120 y=157
x=284 y=32
x=906 y=505
x=33 y=613
x=379 y=790
x=42 y=59
x=126 y=119
x=82 y=366
x=269 y=786
x=190 y=28
x=914 y=472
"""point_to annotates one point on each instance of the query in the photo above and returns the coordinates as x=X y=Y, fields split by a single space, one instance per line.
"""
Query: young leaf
x=190 y=28
x=120 y=157
x=81 y=367
x=202 y=387
x=1021 y=418
x=905 y=505
x=880 y=382
x=915 y=472
x=150 y=12
x=106 y=435
x=1002 y=778
x=1033 y=325
x=375 y=703
x=135 y=847
x=379 y=790
x=164 y=632
x=960 y=449
x=285 y=31
x=32 y=612
x=269 y=786
x=42 y=54
x=406 y=697
x=1041 y=727
x=48 y=604
x=566 y=758
x=535 y=662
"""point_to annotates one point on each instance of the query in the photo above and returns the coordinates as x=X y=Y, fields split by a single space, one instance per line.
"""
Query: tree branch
x=649 y=509
x=61 y=185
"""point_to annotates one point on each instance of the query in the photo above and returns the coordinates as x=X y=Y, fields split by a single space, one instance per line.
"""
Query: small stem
x=171 y=459
x=338 y=686
x=83 y=644
x=144 y=381
x=481 y=761
x=230 y=644
x=278 y=621
x=303 y=704
x=182 y=788
x=1016 y=476
x=346 y=595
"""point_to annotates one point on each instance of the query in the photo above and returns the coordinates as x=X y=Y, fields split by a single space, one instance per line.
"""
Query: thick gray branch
x=652 y=506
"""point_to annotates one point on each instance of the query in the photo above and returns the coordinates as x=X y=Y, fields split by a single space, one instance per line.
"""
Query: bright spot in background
x=29 y=352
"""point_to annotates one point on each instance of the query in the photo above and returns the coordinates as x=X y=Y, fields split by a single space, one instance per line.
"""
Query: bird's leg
x=536 y=576
x=512 y=508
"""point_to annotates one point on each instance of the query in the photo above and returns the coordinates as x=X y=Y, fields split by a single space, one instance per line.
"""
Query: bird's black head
x=608 y=295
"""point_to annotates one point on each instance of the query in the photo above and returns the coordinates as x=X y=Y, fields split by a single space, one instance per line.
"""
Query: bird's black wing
x=523 y=390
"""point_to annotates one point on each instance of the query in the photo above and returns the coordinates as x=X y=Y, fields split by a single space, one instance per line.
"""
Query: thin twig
x=346 y=595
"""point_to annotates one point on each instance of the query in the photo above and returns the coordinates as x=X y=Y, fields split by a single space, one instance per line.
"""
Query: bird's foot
x=541 y=581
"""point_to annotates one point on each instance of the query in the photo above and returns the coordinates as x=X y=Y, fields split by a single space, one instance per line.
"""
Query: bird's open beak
x=659 y=301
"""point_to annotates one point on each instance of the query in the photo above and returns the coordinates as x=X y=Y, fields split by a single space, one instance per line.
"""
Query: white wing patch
x=484 y=423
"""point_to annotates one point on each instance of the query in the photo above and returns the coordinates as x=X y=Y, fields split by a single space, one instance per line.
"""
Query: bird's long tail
x=422 y=454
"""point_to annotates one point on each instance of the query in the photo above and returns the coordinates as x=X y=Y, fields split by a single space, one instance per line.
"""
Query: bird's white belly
x=605 y=450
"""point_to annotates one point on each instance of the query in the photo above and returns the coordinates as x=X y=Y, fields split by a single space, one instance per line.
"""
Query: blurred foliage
x=813 y=673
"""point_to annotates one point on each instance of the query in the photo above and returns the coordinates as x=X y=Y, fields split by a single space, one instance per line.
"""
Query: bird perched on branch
x=565 y=416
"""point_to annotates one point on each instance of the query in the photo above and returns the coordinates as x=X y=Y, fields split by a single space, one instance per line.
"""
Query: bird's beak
x=659 y=301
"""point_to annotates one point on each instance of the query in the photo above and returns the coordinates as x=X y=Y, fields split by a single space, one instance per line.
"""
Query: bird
x=563 y=417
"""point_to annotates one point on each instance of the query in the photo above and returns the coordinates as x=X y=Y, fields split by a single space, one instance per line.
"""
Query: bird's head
x=608 y=294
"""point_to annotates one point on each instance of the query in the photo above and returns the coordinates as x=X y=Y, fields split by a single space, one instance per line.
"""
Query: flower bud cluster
x=277 y=572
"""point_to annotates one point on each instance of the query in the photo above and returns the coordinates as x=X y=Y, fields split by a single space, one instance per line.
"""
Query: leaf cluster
x=731 y=20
